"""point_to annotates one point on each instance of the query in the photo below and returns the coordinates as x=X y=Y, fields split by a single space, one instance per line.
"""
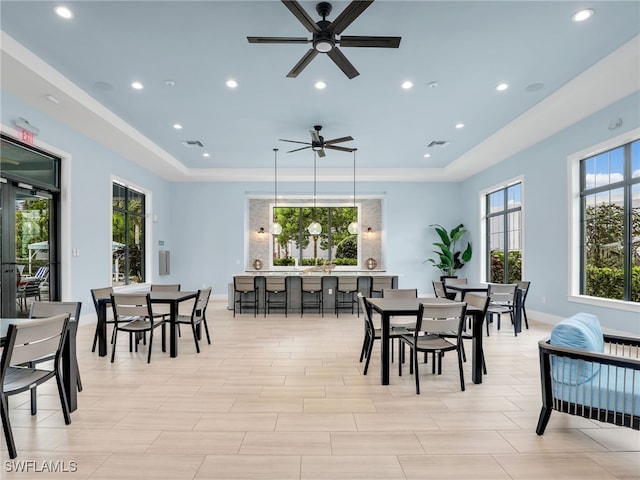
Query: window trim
x=573 y=221
x=148 y=242
x=483 y=223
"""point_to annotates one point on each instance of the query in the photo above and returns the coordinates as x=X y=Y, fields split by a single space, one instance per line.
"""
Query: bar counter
x=329 y=285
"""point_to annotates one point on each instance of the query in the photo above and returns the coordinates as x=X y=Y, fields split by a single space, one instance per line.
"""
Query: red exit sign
x=27 y=136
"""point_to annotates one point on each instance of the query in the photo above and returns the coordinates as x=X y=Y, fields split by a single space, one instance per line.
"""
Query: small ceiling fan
x=324 y=35
x=318 y=143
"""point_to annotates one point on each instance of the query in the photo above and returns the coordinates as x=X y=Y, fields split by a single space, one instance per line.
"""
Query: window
x=610 y=224
x=504 y=234
x=128 y=243
x=334 y=244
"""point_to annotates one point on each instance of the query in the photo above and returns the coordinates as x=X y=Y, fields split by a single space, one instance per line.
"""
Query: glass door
x=25 y=252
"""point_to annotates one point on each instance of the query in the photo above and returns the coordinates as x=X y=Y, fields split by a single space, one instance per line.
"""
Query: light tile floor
x=284 y=398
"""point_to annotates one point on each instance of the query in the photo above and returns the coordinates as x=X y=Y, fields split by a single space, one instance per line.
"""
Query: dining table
x=173 y=299
x=465 y=288
x=69 y=363
x=408 y=307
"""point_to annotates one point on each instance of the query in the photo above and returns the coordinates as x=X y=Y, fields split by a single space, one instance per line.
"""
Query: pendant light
x=276 y=228
x=353 y=226
x=314 y=227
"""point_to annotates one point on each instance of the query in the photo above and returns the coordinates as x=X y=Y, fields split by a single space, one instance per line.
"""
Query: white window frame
x=574 y=205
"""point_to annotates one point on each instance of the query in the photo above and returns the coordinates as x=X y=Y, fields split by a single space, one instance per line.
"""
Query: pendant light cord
x=275 y=175
x=354 y=179
x=314 y=184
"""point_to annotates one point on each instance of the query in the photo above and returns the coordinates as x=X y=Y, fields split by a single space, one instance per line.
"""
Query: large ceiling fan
x=324 y=35
x=318 y=143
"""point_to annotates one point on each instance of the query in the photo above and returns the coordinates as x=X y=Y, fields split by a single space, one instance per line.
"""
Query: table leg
x=102 y=329
x=384 y=348
x=476 y=356
x=173 y=334
x=70 y=367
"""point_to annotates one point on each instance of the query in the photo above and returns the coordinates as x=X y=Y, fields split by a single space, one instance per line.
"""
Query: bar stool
x=380 y=283
x=275 y=293
x=311 y=295
x=245 y=293
x=346 y=294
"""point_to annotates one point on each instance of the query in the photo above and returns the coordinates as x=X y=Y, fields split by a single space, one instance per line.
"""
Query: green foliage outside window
x=296 y=242
x=497 y=266
x=604 y=273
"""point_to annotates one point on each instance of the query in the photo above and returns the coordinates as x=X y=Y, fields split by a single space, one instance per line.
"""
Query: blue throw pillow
x=593 y=323
x=574 y=333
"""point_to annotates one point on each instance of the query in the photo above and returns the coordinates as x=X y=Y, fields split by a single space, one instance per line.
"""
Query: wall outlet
x=331 y=291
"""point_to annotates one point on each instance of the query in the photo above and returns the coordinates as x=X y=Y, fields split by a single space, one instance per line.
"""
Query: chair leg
x=115 y=338
x=150 y=345
x=364 y=346
x=95 y=341
x=524 y=315
x=34 y=401
x=461 y=370
x=416 y=371
x=6 y=427
x=369 y=351
x=63 y=400
x=195 y=336
x=206 y=330
x=78 y=381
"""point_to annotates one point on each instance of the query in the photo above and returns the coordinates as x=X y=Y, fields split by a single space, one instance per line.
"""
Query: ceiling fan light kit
x=325 y=35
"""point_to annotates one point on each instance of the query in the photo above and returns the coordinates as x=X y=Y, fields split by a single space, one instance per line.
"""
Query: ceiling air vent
x=438 y=143
x=193 y=144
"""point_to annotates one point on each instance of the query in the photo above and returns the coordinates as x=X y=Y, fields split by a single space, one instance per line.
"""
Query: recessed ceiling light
x=426 y=155
x=137 y=85
x=432 y=84
x=582 y=15
x=205 y=155
x=177 y=126
x=501 y=87
x=407 y=85
x=104 y=86
x=170 y=83
x=459 y=125
x=52 y=99
x=232 y=83
x=320 y=85
x=534 y=87
x=64 y=12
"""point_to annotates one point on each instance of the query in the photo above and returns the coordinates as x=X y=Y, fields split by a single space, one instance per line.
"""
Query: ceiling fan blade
x=277 y=40
x=341 y=61
x=304 y=61
x=348 y=15
x=302 y=16
x=293 y=141
x=367 y=41
x=338 y=140
x=298 y=149
x=321 y=153
x=315 y=136
x=342 y=149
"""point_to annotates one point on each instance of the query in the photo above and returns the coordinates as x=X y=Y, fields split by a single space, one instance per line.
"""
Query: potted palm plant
x=450 y=258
